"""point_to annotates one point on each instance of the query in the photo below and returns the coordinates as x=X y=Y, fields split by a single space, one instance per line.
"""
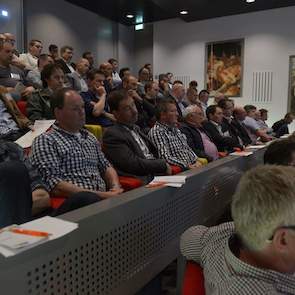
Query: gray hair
x=264 y=200
x=188 y=110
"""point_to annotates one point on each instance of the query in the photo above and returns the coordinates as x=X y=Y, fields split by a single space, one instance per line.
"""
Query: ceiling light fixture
x=250 y=1
x=183 y=12
x=129 y=15
x=4 y=13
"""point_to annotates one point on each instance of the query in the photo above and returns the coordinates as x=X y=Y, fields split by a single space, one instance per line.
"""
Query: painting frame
x=291 y=85
x=228 y=80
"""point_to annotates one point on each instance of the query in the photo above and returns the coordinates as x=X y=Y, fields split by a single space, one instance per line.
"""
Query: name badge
x=15 y=76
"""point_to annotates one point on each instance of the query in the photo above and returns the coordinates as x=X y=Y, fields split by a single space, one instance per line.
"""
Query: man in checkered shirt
x=256 y=253
x=170 y=142
x=68 y=157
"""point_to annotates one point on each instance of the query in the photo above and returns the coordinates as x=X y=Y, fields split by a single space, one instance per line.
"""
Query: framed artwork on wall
x=224 y=67
x=291 y=92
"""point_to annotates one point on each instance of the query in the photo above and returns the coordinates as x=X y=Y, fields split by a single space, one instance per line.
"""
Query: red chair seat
x=222 y=154
x=193 y=283
x=22 y=105
x=56 y=202
x=175 y=169
x=129 y=183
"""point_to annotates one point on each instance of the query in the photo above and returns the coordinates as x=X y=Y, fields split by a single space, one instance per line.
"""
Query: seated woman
x=96 y=106
x=38 y=107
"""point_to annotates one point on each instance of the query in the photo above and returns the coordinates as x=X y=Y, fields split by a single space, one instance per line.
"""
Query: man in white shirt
x=115 y=75
x=64 y=62
x=30 y=59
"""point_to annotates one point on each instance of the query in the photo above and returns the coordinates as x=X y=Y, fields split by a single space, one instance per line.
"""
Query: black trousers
x=16 y=196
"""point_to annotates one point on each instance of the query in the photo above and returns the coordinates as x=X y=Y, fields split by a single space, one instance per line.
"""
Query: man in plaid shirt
x=170 y=142
x=256 y=253
x=68 y=157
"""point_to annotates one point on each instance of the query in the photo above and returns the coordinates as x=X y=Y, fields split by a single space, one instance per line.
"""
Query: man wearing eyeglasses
x=30 y=59
x=256 y=253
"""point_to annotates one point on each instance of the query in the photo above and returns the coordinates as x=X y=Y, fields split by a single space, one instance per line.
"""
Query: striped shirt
x=62 y=156
x=213 y=249
x=172 y=145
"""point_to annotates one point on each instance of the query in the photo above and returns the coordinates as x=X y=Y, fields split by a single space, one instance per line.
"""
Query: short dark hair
x=91 y=74
x=147 y=64
x=47 y=72
x=86 y=53
x=52 y=47
x=203 y=91
x=288 y=115
x=141 y=70
x=263 y=111
x=211 y=110
x=115 y=99
x=43 y=57
x=66 y=47
x=112 y=60
x=33 y=41
x=222 y=103
x=177 y=82
x=249 y=107
x=162 y=106
x=122 y=71
x=279 y=152
x=162 y=77
x=193 y=83
x=57 y=99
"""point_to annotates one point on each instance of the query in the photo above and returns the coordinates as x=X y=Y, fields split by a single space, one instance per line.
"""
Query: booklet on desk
x=14 y=240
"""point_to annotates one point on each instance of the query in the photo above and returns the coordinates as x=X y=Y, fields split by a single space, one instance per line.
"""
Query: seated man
x=203 y=99
x=38 y=106
x=69 y=158
x=29 y=198
x=34 y=76
x=13 y=124
x=227 y=107
x=255 y=253
x=171 y=143
x=30 y=59
x=151 y=89
x=107 y=69
x=197 y=137
x=239 y=115
x=220 y=134
x=66 y=53
x=115 y=75
x=146 y=111
x=280 y=128
x=177 y=93
x=163 y=86
x=76 y=80
x=255 y=131
x=126 y=146
x=96 y=106
x=11 y=76
x=143 y=78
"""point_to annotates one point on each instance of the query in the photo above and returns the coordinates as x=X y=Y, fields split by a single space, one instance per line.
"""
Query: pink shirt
x=209 y=147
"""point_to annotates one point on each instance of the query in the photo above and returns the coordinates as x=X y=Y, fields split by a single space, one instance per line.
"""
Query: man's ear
x=281 y=239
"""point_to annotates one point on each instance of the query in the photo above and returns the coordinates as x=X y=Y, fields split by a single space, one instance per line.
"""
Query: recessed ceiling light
x=250 y=1
x=129 y=15
x=4 y=13
x=183 y=12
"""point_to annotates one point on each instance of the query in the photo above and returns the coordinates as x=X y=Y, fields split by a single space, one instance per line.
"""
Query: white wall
x=62 y=23
x=126 y=47
x=12 y=23
x=269 y=36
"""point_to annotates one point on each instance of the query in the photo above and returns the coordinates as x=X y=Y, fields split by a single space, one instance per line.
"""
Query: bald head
x=106 y=68
x=178 y=91
x=130 y=83
x=82 y=66
x=239 y=113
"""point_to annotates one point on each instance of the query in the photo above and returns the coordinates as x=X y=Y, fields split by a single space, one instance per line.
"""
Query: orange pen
x=29 y=232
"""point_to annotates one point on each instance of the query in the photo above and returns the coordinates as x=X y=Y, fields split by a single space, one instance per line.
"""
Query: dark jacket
x=180 y=118
x=242 y=132
x=126 y=155
x=89 y=97
x=223 y=143
x=194 y=139
x=10 y=151
x=38 y=106
x=63 y=66
x=146 y=114
x=280 y=128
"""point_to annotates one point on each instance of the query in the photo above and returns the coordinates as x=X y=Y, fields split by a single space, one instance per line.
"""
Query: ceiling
x=154 y=10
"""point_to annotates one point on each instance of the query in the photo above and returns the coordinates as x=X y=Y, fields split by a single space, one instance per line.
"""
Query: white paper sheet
x=173 y=181
x=54 y=226
x=40 y=127
x=261 y=146
x=241 y=154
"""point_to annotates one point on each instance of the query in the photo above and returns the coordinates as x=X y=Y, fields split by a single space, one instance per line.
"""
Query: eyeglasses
x=292 y=227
